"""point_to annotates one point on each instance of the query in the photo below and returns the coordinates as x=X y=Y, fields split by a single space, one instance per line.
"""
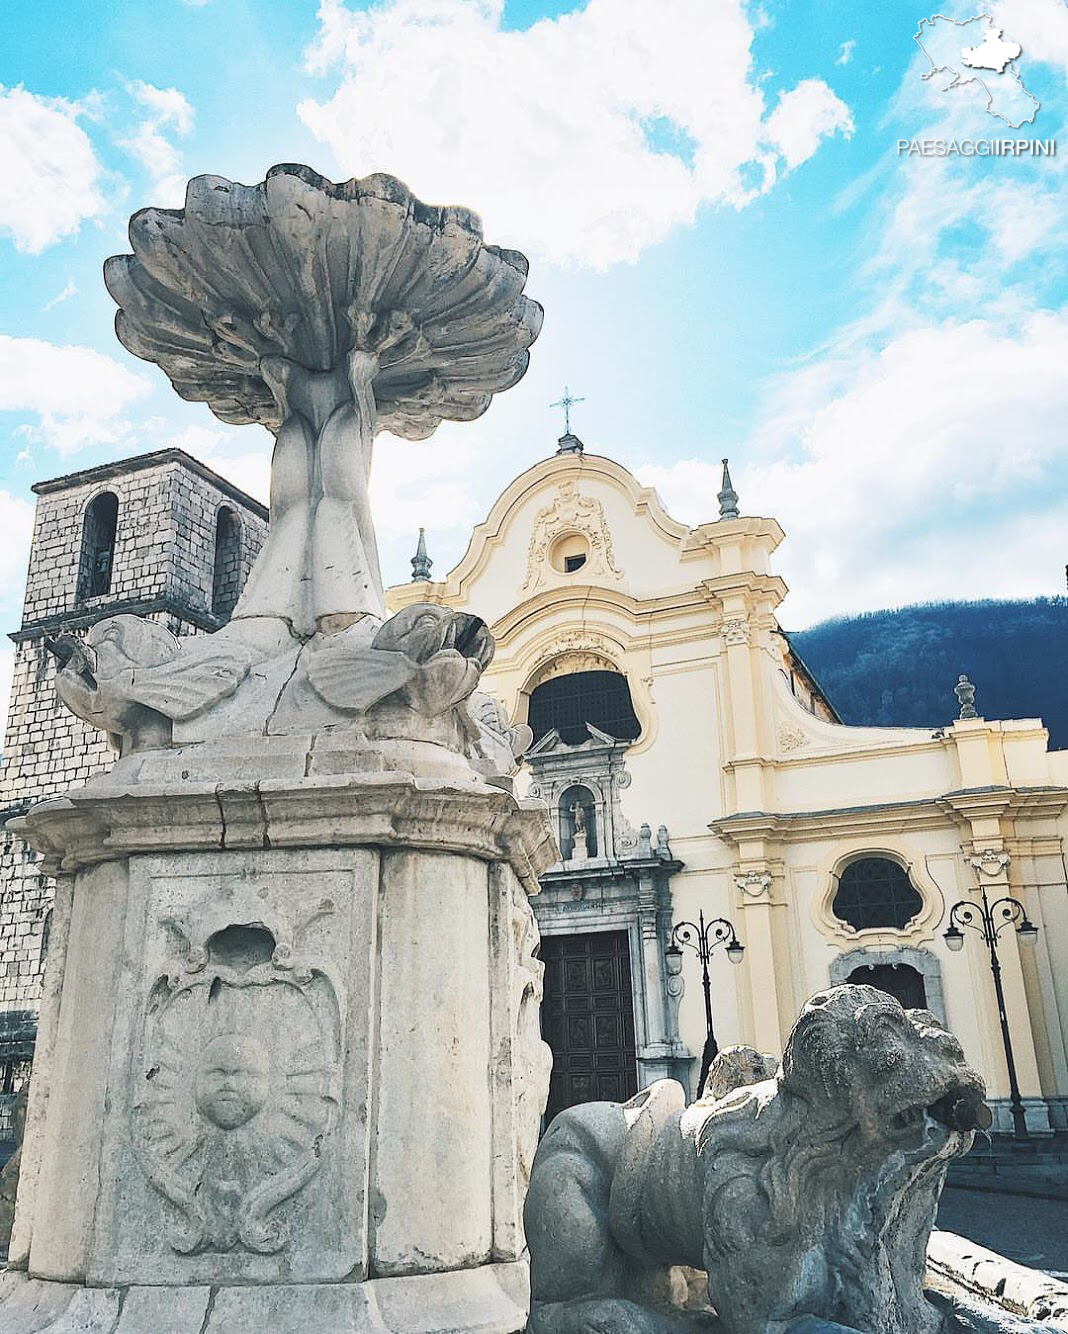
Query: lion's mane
x=783 y=1158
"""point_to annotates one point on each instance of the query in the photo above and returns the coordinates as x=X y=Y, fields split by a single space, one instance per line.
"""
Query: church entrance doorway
x=587 y=1018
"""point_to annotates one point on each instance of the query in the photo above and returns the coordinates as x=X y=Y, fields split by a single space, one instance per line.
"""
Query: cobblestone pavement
x=1029 y=1230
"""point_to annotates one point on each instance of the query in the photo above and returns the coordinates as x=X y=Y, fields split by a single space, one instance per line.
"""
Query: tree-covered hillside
x=898 y=668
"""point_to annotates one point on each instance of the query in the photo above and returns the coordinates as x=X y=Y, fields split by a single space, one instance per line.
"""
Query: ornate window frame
x=924 y=962
x=562 y=650
x=918 y=928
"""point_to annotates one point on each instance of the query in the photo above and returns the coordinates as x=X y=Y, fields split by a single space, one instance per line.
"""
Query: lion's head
x=901 y=1076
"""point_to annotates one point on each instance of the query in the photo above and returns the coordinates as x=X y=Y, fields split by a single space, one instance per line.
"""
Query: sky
x=733 y=255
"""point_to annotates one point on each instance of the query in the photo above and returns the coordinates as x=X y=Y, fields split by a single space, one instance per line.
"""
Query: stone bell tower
x=160 y=536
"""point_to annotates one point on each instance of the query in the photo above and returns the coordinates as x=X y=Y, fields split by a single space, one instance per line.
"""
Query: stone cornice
x=750 y=529
x=1013 y=802
x=106 y=472
x=920 y=813
x=613 y=871
x=78 y=620
x=749 y=582
x=106 y=821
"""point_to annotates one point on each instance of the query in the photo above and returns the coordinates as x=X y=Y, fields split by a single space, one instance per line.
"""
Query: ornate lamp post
x=989 y=921
x=703 y=937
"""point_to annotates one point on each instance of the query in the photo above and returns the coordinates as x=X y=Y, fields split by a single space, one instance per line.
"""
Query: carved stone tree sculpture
x=283 y=1044
x=326 y=313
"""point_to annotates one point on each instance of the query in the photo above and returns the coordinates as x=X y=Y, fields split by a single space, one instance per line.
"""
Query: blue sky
x=732 y=255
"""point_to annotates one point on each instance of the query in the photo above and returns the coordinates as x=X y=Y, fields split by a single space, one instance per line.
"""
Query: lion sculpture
x=812 y=1193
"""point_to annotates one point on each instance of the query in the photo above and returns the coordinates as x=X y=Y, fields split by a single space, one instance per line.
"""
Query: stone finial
x=663 y=847
x=569 y=444
x=728 y=497
x=965 y=693
x=421 y=562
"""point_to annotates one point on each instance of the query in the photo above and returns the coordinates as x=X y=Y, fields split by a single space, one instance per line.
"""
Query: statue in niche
x=578 y=825
x=580 y=834
x=239 y=1087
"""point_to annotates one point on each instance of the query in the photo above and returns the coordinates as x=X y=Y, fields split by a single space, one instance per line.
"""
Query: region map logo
x=977 y=52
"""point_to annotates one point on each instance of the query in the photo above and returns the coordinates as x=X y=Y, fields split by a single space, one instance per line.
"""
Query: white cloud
x=16 y=523
x=803 y=118
x=415 y=483
x=587 y=138
x=70 y=289
x=49 y=174
x=77 y=395
x=1039 y=26
x=936 y=469
x=168 y=112
x=845 y=52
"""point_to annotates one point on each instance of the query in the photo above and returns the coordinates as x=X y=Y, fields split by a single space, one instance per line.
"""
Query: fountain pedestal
x=290 y=1040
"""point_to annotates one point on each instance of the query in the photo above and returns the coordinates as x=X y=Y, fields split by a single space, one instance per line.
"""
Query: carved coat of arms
x=239 y=1085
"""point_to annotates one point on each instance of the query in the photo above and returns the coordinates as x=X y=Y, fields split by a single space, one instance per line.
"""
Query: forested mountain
x=898 y=668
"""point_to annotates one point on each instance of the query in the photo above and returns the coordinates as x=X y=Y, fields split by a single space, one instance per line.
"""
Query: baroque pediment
x=553 y=744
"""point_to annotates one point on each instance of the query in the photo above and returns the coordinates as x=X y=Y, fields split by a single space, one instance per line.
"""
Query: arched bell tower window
x=876 y=892
x=98 y=545
x=568 y=703
x=226 y=577
x=578 y=823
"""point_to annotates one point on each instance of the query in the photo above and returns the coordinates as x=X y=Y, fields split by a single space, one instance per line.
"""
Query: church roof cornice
x=106 y=472
x=887 y=817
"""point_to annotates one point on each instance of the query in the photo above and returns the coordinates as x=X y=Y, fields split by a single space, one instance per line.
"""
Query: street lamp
x=703 y=937
x=990 y=920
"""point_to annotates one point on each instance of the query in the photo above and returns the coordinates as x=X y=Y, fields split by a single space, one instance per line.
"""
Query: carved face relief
x=232 y=1080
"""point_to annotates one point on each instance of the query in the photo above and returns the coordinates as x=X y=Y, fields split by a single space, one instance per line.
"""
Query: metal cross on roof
x=566 y=403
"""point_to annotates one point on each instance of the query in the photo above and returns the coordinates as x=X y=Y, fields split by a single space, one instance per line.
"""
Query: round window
x=569 y=553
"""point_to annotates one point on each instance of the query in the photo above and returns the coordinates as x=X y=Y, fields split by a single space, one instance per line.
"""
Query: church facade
x=697 y=775
x=727 y=846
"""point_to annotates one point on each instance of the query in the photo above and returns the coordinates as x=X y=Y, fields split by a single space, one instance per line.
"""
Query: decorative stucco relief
x=792 y=738
x=736 y=630
x=570 y=512
x=238 y=1083
x=754 y=883
x=990 y=861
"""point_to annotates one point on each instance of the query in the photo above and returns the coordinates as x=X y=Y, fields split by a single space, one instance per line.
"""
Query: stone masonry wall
x=195 y=507
x=144 y=539
x=165 y=552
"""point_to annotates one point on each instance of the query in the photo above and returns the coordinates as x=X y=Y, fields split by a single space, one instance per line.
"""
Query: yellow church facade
x=697 y=775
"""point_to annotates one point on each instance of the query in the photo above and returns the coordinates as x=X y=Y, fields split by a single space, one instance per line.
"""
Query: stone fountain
x=289 y=1073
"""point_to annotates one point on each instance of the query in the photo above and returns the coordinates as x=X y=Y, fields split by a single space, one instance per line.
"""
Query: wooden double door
x=588 y=1019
